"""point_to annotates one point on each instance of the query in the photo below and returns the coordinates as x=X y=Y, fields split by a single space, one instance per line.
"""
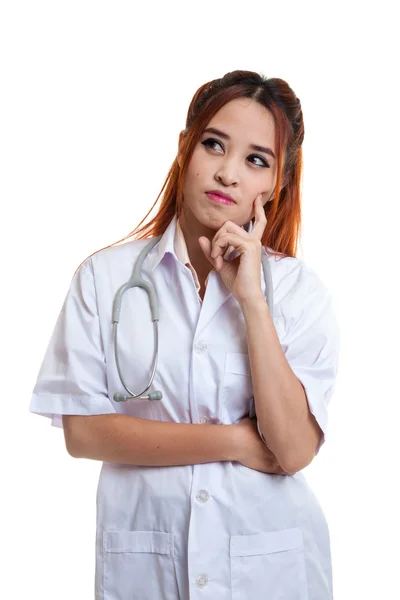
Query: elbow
x=71 y=451
x=72 y=448
x=70 y=436
x=298 y=458
x=291 y=468
x=294 y=464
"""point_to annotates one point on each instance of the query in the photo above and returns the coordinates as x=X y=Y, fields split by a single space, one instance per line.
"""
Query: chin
x=212 y=221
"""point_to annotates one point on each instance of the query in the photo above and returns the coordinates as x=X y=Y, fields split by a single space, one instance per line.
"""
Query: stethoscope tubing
x=137 y=281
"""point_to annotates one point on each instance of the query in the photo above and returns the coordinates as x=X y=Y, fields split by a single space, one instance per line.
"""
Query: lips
x=219 y=196
x=219 y=200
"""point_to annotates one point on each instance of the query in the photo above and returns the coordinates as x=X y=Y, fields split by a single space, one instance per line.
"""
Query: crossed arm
x=281 y=404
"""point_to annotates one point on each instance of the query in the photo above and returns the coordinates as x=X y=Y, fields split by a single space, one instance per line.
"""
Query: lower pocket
x=139 y=564
x=268 y=565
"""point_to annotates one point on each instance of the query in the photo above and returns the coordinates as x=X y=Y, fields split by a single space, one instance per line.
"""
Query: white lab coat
x=217 y=530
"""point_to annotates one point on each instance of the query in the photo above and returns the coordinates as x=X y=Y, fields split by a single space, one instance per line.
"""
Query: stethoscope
x=137 y=281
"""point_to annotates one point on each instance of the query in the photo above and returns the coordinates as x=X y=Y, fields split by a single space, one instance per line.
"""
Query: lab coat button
x=202 y=580
x=200 y=347
x=203 y=496
x=204 y=420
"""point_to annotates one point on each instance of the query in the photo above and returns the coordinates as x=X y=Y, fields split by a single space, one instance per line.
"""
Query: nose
x=227 y=172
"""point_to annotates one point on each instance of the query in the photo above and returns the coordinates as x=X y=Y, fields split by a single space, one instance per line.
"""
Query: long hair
x=284 y=210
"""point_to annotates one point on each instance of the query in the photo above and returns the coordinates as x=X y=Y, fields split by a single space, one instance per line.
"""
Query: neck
x=192 y=230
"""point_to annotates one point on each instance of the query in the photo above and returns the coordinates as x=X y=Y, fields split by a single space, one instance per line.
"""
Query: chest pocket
x=139 y=564
x=237 y=387
x=268 y=565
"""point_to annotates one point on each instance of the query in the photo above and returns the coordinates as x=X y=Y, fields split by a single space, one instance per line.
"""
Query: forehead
x=245 y=118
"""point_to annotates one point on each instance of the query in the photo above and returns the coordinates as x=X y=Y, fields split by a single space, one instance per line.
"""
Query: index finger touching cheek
x=260 y=218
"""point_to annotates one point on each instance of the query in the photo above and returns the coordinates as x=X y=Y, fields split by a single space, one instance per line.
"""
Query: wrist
x=253 y=303
x=235 y=444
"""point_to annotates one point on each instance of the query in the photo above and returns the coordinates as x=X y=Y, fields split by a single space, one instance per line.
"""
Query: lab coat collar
x=166 y=243
x=220 y=293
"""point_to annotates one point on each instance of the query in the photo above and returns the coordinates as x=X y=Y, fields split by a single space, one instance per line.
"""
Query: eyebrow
x=252 y=146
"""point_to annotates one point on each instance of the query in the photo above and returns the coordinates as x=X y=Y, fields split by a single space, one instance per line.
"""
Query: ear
x=179 y=148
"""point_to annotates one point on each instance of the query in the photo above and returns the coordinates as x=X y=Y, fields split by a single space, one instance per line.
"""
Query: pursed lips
x=219 y=197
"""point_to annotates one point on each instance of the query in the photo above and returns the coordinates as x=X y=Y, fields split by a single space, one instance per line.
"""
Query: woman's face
x=227 y=162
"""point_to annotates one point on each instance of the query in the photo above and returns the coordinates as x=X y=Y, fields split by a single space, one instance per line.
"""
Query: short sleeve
x=72 y=379
x=311 y=342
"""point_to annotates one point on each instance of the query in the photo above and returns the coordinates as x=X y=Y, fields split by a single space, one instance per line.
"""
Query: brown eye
x=209 y=142
x=265 y=164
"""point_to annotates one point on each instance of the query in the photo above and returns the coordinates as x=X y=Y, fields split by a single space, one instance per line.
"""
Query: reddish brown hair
x=284 y=210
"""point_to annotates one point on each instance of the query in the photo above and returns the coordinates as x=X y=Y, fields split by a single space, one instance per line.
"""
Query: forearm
x=142 y=442
x=280 y=401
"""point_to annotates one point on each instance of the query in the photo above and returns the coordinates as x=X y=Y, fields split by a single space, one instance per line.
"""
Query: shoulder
x=295 y=283
x=126 y=251
x=108 y=268
x=115 y=258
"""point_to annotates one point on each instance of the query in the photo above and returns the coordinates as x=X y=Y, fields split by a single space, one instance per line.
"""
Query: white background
x=93 y=96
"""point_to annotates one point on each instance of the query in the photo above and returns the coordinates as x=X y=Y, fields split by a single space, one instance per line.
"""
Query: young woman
x=195 y=498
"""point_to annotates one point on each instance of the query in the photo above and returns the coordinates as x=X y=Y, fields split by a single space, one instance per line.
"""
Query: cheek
x=193 y=176
x=196 y=166
x=193 y=181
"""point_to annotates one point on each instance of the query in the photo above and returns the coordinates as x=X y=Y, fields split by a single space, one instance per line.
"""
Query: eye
x=209 y=142
x=265 y=164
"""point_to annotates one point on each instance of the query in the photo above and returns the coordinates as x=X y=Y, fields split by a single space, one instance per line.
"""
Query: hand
x=242 y=276
x=253 y=453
